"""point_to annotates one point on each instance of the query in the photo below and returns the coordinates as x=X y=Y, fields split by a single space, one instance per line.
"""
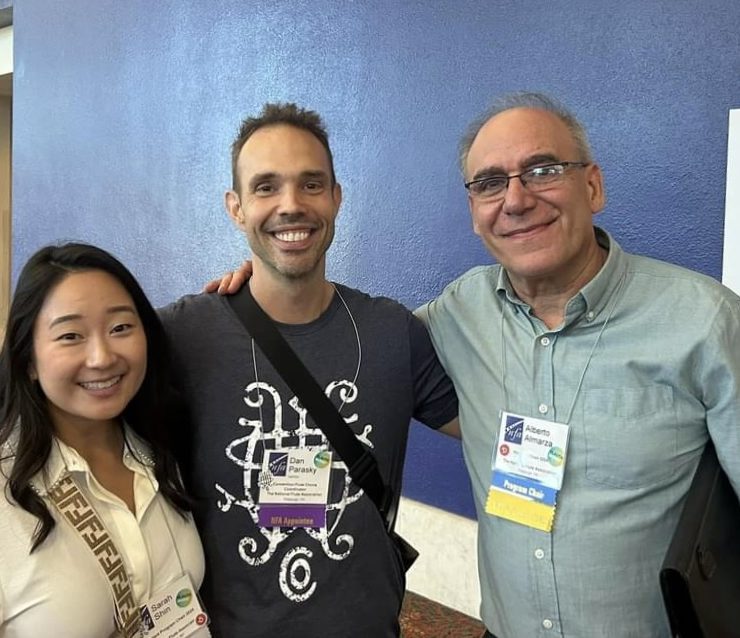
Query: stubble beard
x=304 y=270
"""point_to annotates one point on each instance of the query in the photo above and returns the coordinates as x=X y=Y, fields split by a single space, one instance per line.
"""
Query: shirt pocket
x=631 y=435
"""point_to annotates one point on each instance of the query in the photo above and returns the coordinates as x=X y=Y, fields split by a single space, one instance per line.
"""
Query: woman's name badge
x=294 y=487
x=173 y=612
x=527 y=470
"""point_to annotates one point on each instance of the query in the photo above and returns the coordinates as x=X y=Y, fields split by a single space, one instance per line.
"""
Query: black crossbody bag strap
x=361 y=464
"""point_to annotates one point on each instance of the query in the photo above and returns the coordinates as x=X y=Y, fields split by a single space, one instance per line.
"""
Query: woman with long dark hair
x=96 y=537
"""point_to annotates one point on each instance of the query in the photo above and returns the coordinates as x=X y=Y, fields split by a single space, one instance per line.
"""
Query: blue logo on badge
x=278 y=463
x=514 y=429
x=146 y=618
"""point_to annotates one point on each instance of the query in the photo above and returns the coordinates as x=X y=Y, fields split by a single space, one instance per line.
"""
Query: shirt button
x=545 y=341
x=590 y=316
x=547 y=623
x=542 y=408
x=539 y=554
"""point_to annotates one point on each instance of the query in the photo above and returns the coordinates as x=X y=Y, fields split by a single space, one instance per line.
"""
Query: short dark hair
x=274 y=114
x=525 y=99
x=154 y=413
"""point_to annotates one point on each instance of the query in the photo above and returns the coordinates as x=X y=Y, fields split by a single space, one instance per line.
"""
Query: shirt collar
x=592 y=299
x=63 y=459
x=599 y=291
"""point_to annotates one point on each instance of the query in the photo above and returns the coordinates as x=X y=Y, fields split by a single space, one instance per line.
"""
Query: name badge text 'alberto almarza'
x=527 y=470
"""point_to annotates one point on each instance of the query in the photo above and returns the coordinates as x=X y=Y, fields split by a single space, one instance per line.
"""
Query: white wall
x=6 y=50
x=6 y=69
x=446 y=570
x=731 y=253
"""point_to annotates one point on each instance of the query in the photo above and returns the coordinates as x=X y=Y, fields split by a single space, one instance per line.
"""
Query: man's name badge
x=173 y=612
x=294 y=488
x=527 y=470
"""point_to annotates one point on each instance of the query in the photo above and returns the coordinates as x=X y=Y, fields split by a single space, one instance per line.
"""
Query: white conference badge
x=173 y=612
x=294 y=487
x=528 y=468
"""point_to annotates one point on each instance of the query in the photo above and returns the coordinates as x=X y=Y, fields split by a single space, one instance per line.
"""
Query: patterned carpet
x=423 y=618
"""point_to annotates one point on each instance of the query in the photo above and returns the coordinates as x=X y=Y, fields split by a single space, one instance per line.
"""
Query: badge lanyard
x=160 y=619
x=588 y=359
x=283 y=502
x=359 y=355
x=530 y=454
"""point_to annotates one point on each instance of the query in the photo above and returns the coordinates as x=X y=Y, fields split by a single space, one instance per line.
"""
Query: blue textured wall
x=124 y=112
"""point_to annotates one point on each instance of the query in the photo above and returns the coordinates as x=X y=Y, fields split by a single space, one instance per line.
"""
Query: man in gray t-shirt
x=373 y=358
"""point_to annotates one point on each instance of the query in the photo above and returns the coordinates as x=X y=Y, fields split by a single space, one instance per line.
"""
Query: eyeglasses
x=535 y=179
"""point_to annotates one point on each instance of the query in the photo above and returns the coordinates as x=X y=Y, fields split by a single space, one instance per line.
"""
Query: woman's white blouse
x=60 y=589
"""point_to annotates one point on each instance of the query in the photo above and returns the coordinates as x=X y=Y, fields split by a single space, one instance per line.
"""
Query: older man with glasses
x=589 y=381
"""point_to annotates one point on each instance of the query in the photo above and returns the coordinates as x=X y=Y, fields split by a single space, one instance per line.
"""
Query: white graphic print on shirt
x=246 y=453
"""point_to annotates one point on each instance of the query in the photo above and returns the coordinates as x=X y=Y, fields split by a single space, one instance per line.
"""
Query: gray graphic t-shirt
x=344 y=579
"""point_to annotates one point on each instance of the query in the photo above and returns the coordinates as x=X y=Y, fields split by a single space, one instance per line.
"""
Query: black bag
x=700 y=576
x=406 y=550
x=361 y=464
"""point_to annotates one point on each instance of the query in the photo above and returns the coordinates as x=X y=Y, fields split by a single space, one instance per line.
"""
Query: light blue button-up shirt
x=644 y=369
